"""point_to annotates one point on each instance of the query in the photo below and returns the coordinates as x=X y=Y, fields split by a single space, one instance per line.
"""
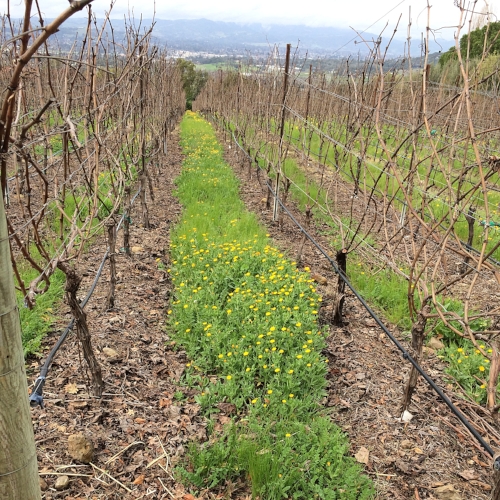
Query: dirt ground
x=144 y=421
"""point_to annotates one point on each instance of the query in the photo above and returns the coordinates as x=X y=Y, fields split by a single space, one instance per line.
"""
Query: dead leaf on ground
x=71 y=389
x=362 y=456
x=164 y=402
x=480 y=484
x=468 y=474
x=139 y=479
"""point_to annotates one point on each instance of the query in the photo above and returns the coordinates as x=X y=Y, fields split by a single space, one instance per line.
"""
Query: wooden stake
x=110 y=302
x=145 y=213
x=282 y=129
x=338 y=307
x=126 y=222
x=18 y=464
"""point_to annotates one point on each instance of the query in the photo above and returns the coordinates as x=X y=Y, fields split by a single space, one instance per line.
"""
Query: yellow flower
x=288 y=435
x=229 y=377
x=460 y=349
x=270 y=391
x=481 y=368
x=245 y=353
x=290 y=371
x=290 y=396
x=277 y=370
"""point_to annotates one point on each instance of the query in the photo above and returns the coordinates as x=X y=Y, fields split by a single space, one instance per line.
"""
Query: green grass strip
x=37 y=322
x=247 y=318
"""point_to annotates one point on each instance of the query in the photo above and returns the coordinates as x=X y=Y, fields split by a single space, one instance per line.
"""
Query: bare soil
x=145 y=420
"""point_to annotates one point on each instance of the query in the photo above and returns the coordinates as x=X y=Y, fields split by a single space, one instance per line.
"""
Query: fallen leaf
x=164 y=402
x=479 y=462
x=188 y=496
x=111 y=353
x=468 y=474
x=446 y=492
x=139 y=479
x=483 y=486
x=418 y=451
x=362 y=456
x=71 y=389
x=139 y=420
x=78 y=404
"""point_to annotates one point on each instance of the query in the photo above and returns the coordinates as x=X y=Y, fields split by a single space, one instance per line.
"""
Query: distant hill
x=228 y=37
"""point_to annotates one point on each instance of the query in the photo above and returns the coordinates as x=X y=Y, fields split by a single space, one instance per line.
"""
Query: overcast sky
x=359 y=14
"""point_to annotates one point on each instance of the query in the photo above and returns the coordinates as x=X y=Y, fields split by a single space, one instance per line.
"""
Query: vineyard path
x=145 y=420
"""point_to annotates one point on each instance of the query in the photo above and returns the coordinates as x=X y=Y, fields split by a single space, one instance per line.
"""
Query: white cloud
x=359 y=14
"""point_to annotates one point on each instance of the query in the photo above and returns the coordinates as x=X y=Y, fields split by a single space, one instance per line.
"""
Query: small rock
x=43 y=484
x=428 y=351
x=80 y=448
x=406 y=444
x=435 y=344
x=62 y=482
x=406 y=417
x=446 y=492
x=110 y=353
x=319 y=279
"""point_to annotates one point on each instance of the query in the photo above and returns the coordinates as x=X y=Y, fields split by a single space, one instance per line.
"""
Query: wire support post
x=111 y=226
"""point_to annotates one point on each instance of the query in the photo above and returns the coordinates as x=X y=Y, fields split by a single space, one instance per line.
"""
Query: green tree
x=193 y=80
x=492 y=34
x=449 y=56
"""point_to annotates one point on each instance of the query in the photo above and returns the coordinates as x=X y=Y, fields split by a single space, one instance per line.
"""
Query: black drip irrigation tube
x=406 y=355
x=36 y=396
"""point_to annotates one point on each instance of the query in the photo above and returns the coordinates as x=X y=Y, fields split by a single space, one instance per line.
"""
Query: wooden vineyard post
x=126 y=222
x=82 y=330
x=282 y=129
x=339 y=305
x=110 y=302
x=469 y=217
x=144 y=206
x=18 y=463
